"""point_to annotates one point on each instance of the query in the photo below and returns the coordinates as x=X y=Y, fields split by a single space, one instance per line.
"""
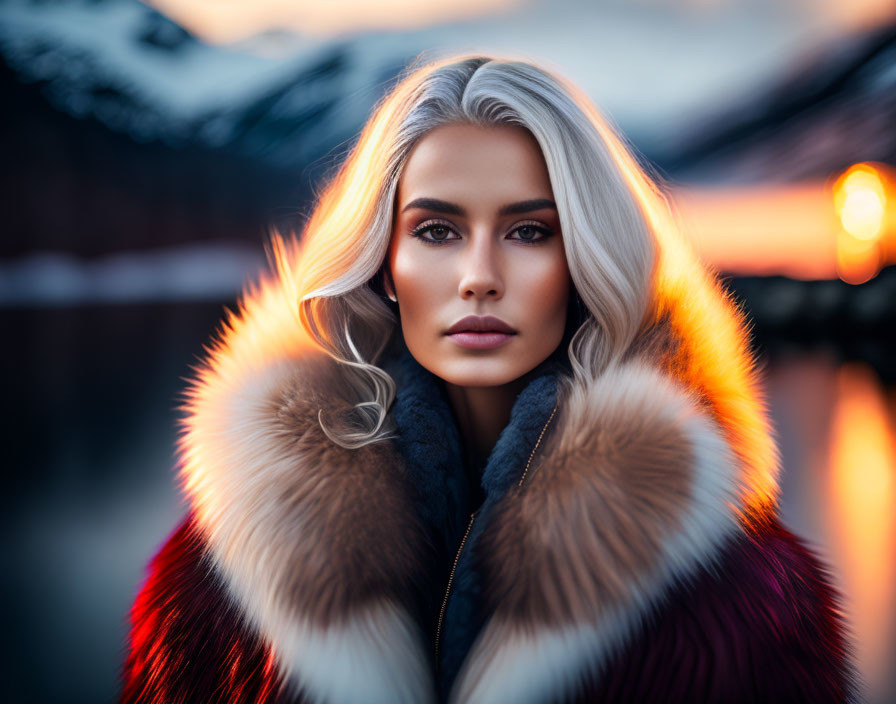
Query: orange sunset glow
x=863 y=202
x=811 y=230
x=861 y=490
x=232 y=20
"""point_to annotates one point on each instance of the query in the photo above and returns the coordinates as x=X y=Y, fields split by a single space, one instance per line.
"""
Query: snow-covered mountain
x=127 y=66
x=833 y=109
x=122 y=131
x=663 y=75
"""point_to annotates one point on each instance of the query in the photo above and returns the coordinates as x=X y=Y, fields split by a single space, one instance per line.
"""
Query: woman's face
x=476 y=233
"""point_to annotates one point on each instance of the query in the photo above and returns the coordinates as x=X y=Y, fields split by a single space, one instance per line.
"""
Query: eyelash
x=428 y=224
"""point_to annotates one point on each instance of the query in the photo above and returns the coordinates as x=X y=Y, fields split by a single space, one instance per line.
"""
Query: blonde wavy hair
x=610 y=213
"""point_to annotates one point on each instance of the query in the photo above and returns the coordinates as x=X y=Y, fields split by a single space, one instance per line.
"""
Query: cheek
x=420 y=283
x=542 y=287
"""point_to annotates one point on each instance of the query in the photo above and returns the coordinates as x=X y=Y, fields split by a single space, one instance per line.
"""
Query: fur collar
x=645 y=473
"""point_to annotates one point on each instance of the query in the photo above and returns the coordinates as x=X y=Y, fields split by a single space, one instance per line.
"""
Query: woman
x=490 y=434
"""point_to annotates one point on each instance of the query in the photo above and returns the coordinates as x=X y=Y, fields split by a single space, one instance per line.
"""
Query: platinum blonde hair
x=608 y=211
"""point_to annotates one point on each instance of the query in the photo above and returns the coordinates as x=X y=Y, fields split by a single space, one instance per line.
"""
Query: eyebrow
x=441 y=206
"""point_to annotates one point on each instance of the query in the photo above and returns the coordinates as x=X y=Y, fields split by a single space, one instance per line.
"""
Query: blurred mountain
x=831 y=110
x=129 y=67
x=123 y=131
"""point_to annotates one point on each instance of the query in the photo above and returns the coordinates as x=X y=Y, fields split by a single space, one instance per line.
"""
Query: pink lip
x=480 y=340
x=480 y=323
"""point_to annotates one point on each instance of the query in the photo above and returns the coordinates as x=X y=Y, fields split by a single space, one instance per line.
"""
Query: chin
x=483 y=369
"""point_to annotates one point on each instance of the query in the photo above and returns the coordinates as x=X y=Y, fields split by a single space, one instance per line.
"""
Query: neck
x=482 y=412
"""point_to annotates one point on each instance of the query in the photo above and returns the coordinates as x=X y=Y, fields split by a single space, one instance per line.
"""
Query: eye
x=439 y=232
x=530 y=231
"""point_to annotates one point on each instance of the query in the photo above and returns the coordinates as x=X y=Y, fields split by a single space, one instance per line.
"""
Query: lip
x=480 y=340
x=480 y=324
x=480 y=332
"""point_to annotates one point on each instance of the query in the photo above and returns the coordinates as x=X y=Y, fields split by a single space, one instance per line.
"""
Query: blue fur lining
x=429 y=441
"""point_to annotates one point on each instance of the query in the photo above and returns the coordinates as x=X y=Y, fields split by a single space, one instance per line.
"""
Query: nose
x=480 y=275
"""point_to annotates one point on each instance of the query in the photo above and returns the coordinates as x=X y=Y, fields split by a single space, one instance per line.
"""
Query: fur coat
x=641 y=560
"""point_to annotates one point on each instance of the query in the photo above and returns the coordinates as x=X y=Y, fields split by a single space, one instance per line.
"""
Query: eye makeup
x=428 y=225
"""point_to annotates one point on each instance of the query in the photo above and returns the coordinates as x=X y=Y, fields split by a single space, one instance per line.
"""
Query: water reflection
x=859 y=489
x=836 y=427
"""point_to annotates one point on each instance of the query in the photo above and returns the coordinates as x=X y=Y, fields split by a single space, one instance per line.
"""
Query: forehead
x=470 y=163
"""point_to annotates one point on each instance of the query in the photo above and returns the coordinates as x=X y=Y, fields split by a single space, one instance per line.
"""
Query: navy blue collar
x=429 y=441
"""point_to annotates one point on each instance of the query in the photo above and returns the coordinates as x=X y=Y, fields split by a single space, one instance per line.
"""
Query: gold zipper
x=467 y=533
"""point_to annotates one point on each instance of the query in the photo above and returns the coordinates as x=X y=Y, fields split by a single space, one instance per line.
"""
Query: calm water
x=837 y=424
x=90 y=489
